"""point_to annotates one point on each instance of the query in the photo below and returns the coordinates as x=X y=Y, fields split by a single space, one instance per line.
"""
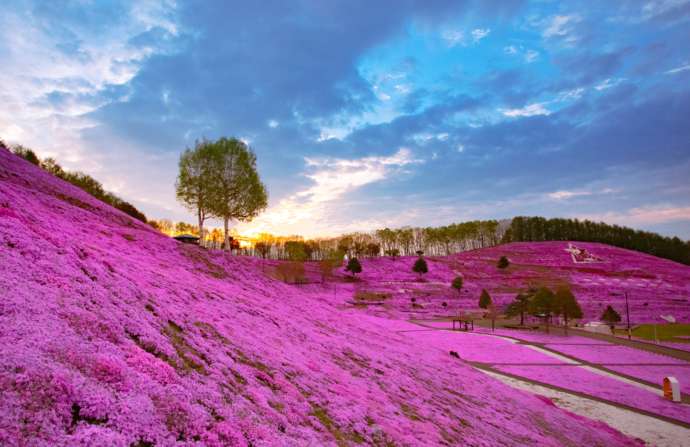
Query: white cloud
x=47 y=91
x=453 y=37
x=573 y=94
x=529 y=110
x=531 y=56
x=678 y=69
x=403 y=89
x=644 y=215
x=561 y=26
x=273 y=124
x=479 y=33
x=511 y=49
x=564 y=195
x=315 y=210
x=608 y=83
x=461 y=148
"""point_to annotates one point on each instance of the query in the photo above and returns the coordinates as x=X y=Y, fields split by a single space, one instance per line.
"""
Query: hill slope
x=112 y=334
x=654 y=286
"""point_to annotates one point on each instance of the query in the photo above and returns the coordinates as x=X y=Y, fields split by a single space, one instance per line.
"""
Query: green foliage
x=566 y=304
x=610 y=316
x=353 y=266
x=457 y=283
x=373 y=249
x=543 y=304
x=503 y=263
x=26 y=153
x=297 y=250
x=194 y=184
x=237 y=191
x=536 y=229
x=519 y=306
x=82 y=181
x=393 y=253
x=485 y=299
x=420 y=266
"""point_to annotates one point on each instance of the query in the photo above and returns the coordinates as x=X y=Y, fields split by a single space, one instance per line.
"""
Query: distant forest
x=535 y=229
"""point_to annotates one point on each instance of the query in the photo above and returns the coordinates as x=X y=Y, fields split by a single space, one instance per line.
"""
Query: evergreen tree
x=457 y=283
x=353 y=266
x=420 y=266
x=484 y=299
x=611 y=317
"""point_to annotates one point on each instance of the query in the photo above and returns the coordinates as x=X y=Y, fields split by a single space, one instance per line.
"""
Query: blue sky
x=367 y=114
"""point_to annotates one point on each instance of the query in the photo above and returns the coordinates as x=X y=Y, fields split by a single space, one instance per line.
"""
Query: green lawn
x=664 y=331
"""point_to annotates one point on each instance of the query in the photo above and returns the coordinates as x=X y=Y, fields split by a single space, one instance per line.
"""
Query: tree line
x=80 y=180
x=535 y=229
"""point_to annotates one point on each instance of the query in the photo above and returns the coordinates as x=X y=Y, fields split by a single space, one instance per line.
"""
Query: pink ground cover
x=656 y=374
x=483 y=348
x=654 y=286
x=579 y=379
x=112 y=334
x=613 y=354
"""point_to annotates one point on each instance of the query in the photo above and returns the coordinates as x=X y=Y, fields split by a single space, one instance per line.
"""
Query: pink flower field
x=112 y=334
x=656 y=374
x=583 y=380
x=655 y=286
x=607 y=353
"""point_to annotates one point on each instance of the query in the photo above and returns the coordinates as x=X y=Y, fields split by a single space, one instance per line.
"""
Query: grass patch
x=186 y=352
x=366 y=295
x=343 y=439
x=665 y=331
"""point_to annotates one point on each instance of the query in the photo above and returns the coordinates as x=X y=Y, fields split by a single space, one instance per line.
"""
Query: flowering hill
x=114 y=335
x=599 y=275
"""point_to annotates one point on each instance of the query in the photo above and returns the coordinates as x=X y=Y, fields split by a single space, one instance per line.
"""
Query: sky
x=367 y=114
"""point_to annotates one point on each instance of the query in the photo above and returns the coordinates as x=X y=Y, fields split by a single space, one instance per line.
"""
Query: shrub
x=291 y=272
x=503 y=263
x=457 y=283
x=353 y=266
x=420 y=266
x=393 y=253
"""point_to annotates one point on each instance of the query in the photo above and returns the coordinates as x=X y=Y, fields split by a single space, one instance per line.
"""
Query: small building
x=187 y=239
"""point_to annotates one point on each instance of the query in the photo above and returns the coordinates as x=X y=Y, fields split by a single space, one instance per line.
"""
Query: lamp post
x=627 y=313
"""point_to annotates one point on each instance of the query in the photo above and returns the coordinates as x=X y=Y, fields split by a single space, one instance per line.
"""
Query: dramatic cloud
x=314 y=211
x=515 y=107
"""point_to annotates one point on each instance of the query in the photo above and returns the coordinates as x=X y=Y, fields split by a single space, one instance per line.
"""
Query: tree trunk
x=522 y=318
x=226 y=235
x=201 y=228
x=565 y=317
